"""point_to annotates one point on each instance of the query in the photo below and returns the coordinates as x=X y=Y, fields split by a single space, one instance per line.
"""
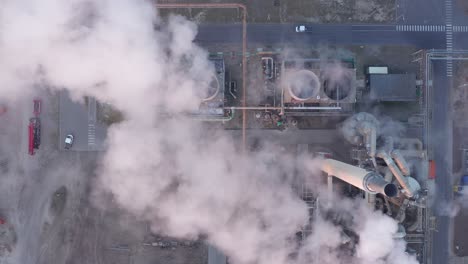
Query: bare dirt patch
x=460 y=93
x=282 y=11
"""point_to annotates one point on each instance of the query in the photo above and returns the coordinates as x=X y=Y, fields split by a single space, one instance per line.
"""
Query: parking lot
x=79 y=119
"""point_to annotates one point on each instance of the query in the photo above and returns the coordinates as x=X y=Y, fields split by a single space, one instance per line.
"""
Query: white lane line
x=430 y=28
x=449 y=28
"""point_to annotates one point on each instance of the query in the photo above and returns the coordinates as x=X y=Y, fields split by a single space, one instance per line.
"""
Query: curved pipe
x=419 y=154
x=388 y=176
x=411 y=141
x=401 y=162
x=365 y=180
x=397 y=173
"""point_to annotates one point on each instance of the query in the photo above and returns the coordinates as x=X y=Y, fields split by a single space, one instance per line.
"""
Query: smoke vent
x=337 y=83
x=390 y=190
x=303 y=85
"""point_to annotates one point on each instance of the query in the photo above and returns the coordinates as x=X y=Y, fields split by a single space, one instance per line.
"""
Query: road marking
x=91 y=134
x=91 y=123
x=460 y=29
x=449 y=34
x=423 y=28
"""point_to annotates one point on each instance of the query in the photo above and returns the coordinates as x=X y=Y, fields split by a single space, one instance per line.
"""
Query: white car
x=300 y=28
x=69 y=141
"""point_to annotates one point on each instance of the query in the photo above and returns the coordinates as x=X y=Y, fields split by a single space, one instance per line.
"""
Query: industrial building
x=323 y=100
x=392 y=87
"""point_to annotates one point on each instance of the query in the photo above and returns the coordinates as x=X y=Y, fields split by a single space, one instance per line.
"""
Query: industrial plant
x=371 y=156
x=217 y=132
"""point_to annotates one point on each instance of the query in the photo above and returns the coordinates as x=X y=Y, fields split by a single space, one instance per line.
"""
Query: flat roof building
x=392 y=87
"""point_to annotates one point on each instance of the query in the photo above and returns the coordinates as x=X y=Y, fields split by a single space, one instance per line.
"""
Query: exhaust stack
x=368 y=181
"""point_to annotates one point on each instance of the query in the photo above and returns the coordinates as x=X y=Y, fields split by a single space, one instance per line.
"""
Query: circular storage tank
x=209 y=89
x=337 y=83
x=303 y=85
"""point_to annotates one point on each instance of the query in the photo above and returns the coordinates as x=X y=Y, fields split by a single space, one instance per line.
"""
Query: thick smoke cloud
x=186 y=181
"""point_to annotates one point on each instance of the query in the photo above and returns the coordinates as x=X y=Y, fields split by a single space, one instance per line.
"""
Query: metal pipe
x=401 y=162
x=388 y=175
x=411 y=141
x=397 y=173
x=286 y=107
x=365 y=180
x=421 y=154
x=370 y=197
x=389 y=143
x=231 y=92
x=216 y=119
x=312 y=107
x=330 y=189
x=369 y=132
x=387 y=205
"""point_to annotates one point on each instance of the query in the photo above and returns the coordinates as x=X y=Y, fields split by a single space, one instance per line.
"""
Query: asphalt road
x=442 y=149
x=319 y=34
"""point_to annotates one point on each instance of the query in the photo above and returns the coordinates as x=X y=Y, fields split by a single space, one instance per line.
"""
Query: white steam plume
x=185 y=181
x=331 y=241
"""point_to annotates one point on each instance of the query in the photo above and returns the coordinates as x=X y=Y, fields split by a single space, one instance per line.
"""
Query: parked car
x=69 y=141
x=300 y=28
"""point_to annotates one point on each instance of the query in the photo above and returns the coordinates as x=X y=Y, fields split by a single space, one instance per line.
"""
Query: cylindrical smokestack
x=367 y=181
x=376 y=183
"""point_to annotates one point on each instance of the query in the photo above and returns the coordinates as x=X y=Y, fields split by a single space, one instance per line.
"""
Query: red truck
x=34 y=128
